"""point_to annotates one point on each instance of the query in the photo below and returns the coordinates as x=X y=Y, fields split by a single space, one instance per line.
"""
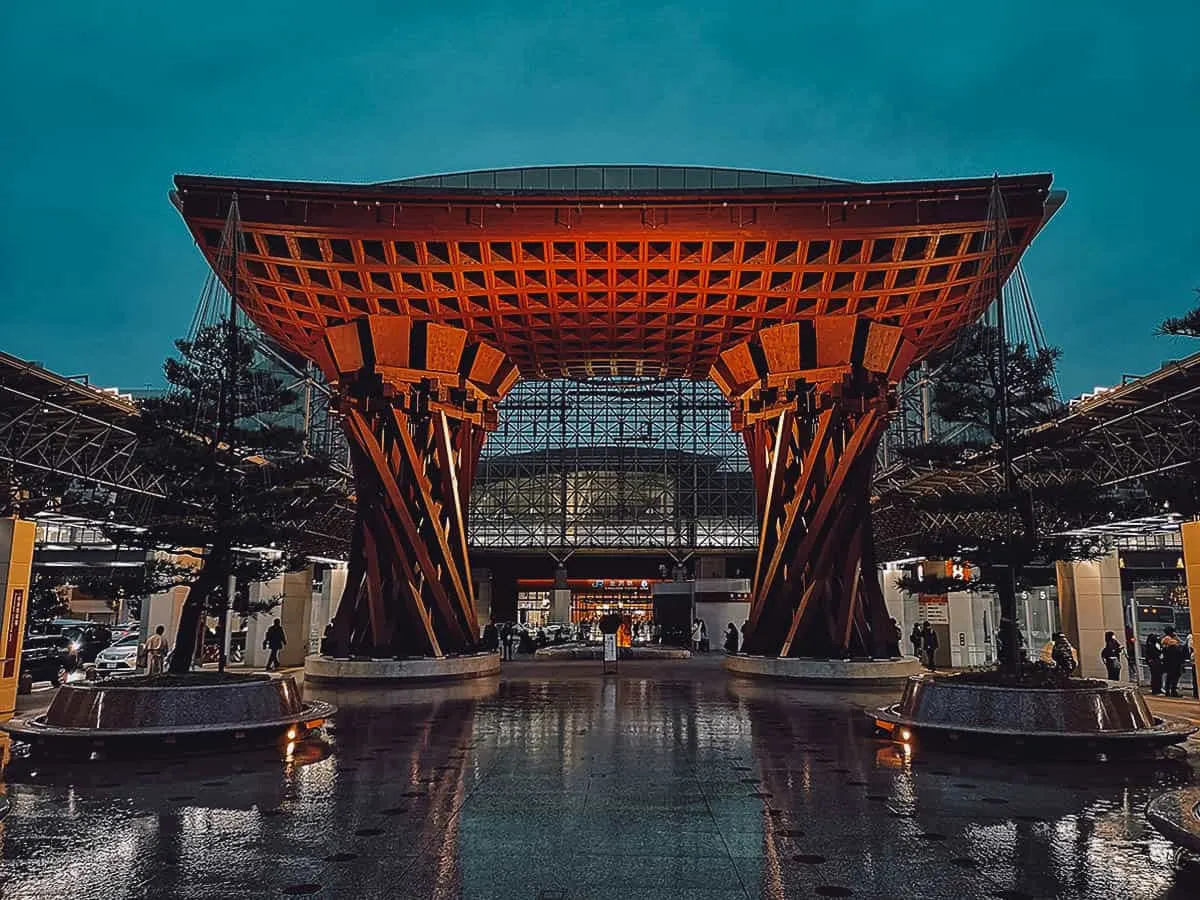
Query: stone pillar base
x=864 y=673
x=322 y=669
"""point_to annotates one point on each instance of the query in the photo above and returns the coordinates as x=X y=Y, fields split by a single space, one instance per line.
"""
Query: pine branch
x=1187 y=325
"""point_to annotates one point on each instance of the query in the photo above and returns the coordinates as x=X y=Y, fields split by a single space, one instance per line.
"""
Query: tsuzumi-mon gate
x=424 y=301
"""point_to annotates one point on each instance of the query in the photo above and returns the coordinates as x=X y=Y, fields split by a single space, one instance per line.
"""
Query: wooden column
x=417 y=401
x=811 y=400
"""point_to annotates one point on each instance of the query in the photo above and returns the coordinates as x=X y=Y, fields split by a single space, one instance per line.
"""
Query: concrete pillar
x=163 y=609
x=1190 y=533
x=263 y=594
x=894 y=599
x=333 y=585
x=290 y=597
x=17 y=538
x=483 y=596
x=1089 y=598
x=560 y=605
x=970 y=643
x=560 y=597
x=295 y=615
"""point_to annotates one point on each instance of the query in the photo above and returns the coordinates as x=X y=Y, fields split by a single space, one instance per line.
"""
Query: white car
x=118 y=658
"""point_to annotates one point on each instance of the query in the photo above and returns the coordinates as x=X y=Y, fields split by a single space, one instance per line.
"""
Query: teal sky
x=103 y=102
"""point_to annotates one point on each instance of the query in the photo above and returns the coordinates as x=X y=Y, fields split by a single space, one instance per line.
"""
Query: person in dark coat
x=276 y=641
x=1152 y=653
x=491 y=637
x=1111 y=654
x=929 y=643
x=731 y=639
x=895 y=639
x=1174 y=655
x=915 y=639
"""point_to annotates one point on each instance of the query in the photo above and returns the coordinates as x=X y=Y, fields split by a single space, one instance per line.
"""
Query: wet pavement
x=670 y=780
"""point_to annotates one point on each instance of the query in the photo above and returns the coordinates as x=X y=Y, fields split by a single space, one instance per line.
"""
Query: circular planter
x=1104 y=717
x=1176 y=815
x=859 y=672
x=111 y=719
x=327 y=669
x=591 y=651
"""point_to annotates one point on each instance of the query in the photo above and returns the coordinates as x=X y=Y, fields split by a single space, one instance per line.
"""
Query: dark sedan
x=88 y=640
x=48 y=657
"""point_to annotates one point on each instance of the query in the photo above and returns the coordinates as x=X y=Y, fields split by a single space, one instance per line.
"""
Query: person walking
x=895 y=639
x=731 y=639
x=915 y=639
x=156 y=651
x=1111 y=654
x=929 y=643
x=326 y=638
x=1152 y=653
x=696 y=635
x=276 y=641
x=703 y=637
x=1174 y=655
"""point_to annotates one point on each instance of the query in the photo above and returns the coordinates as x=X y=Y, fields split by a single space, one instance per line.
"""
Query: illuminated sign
x=12 y=634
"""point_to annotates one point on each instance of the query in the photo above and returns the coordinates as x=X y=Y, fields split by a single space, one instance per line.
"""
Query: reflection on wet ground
x=669 y=781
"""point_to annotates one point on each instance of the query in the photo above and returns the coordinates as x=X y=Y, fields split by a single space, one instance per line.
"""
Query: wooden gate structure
x=805 y=299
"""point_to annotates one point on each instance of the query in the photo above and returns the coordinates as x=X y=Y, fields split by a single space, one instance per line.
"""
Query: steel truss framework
x=1115 y=439
x=635 y=464
x=61 y=427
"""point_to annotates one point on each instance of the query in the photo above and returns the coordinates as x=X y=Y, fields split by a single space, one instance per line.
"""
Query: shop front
x=591 y=598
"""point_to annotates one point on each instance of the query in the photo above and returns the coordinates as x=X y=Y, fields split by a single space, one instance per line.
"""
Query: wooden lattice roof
x=584 y=277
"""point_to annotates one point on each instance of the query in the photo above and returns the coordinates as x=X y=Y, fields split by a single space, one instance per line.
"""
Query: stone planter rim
x=34 y=727
x=823 y=671
x=1163 y=730
x=1163 y=813
x=1163 y=726
x=313 y=709
x=947 y=680
x=331 y=670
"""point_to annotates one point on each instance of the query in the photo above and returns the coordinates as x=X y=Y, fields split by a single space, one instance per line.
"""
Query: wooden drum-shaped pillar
x=417 y=401
x=811 y=400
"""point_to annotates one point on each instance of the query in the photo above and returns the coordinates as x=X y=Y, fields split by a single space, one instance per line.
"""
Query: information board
x=610 y=648
x=934 y=609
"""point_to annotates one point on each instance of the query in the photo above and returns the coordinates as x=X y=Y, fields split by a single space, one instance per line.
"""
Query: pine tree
x=998 y=533
x=238 y=495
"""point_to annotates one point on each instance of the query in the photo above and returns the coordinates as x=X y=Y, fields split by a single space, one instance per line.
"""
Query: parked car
x=120 y=658
x=88 y=639
x=46 y=657
x=56 y=626
x=125 y=629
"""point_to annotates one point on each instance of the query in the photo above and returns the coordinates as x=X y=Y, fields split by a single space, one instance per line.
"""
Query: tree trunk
x=1010 y=641
x=191 y=615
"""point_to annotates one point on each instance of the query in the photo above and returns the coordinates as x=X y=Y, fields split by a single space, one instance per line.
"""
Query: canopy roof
x=572 y=273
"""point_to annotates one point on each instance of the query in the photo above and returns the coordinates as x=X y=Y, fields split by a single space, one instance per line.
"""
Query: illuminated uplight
x=291 y=733
x=905 y=735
